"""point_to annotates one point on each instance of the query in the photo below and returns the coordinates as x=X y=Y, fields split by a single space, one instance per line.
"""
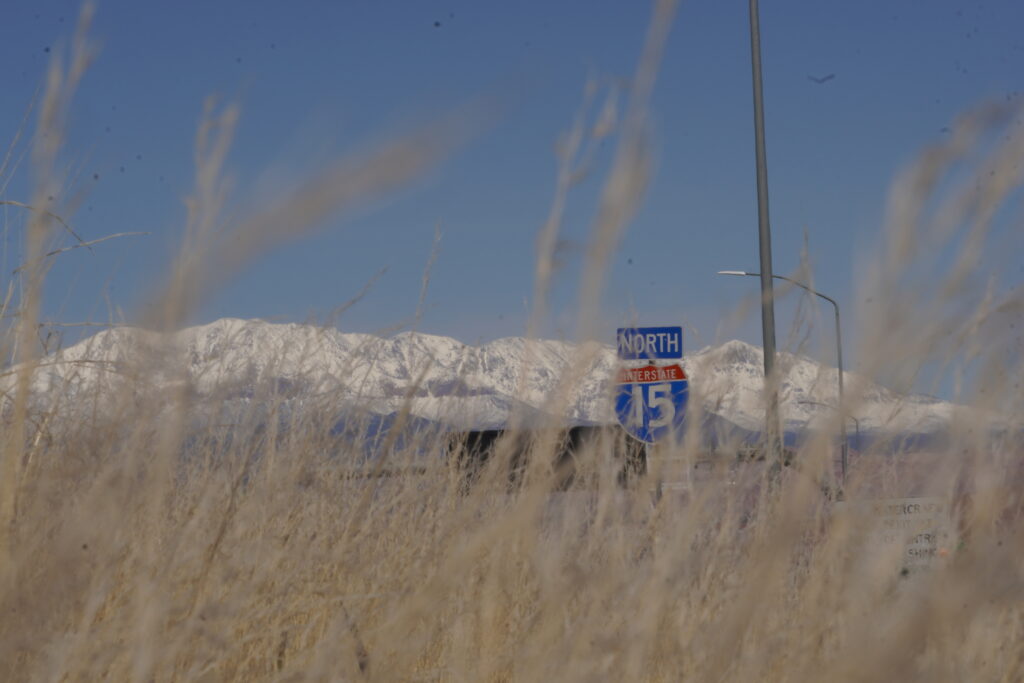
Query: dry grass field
x=133 y=547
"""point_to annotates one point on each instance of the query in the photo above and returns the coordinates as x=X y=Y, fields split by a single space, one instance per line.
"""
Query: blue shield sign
x=650 y=402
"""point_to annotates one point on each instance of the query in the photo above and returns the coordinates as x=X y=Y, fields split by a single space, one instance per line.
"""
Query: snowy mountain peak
x=735 y=352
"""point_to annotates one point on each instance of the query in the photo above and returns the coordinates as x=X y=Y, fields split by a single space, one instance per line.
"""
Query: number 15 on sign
x=650 y=409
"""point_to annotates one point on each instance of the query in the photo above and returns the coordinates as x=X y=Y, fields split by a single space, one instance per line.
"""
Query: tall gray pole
x=845 y=448
x=765 y=240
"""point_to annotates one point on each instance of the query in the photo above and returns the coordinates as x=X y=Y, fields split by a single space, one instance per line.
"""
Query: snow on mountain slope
x=731 y=380
x=444 y=379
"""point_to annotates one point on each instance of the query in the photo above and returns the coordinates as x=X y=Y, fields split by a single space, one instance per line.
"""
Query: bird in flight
x=823 y=79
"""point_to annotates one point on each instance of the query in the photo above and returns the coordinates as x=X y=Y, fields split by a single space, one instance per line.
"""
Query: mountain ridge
x=441 y=378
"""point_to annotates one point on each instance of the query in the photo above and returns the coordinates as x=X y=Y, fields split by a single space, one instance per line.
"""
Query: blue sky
x=315 y=80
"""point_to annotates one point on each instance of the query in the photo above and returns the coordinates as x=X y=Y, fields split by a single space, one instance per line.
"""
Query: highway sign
x=918 y=527
x=912 y=533
x=650 y=343
x=650 y=402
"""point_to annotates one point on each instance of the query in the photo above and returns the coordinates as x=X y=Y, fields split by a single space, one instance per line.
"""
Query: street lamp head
x=733 y=272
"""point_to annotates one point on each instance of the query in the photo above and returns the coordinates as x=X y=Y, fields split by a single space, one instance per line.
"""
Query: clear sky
x=318 y=79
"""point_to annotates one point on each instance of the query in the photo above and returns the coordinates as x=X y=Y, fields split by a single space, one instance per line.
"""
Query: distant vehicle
x=473 y=449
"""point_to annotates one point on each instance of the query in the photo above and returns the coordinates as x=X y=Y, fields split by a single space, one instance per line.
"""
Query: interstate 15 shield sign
x=650 y=402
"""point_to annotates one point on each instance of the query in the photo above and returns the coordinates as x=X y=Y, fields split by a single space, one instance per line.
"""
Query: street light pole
x=765 y=242
x=845 y=446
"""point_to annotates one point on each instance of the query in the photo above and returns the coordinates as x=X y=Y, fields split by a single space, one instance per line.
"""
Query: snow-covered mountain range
x=441 y=379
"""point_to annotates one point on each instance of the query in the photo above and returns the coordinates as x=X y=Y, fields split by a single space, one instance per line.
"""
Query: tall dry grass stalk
x=142 y=543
